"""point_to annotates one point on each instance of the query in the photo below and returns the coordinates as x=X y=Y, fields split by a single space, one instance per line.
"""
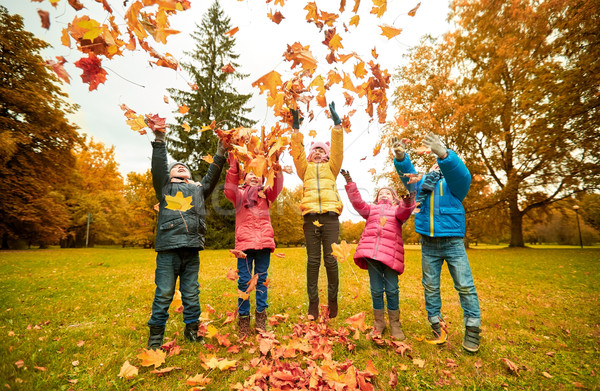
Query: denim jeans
x=258 y=260
x=317 y=238
x=434 y=251
x=383 y=279
x=183 y=263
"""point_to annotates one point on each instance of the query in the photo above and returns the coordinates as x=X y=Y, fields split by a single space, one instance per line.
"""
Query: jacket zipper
x=319 y=189
x=431 y=205
x=378 y=235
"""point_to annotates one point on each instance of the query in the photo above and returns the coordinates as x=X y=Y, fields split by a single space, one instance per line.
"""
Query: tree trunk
x=516 y=222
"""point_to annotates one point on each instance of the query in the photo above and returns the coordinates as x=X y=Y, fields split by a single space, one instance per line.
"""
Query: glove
x=159 y=136
x=346 y=175
x=221 y=149
x=398 y=148
x=433 y=142
x=334 y=115
x=297 y=121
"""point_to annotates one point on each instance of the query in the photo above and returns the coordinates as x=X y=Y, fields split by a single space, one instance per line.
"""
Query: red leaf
x=93 y=74
x=57 y=67
x=155 y=123
x=228 y=69
x=76 y=4
x=45 y=17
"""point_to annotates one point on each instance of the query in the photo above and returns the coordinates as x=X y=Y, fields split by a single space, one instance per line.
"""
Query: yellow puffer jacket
x=320 y=193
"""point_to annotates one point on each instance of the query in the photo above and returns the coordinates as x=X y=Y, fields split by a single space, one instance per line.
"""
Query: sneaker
x=472 y=339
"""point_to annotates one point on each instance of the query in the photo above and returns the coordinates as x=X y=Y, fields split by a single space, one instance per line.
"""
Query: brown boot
x=395 y=325
x=333 y=308
x=313 y=310
x=379 y=323
x=244 y=325
x=261 y=320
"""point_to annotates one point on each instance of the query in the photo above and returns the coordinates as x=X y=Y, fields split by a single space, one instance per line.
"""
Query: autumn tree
x=513 y=88
x=286 y=217
x=213 y=98
x=351 y=231
x=36 y=139
x=96 y=189
x=142 y=218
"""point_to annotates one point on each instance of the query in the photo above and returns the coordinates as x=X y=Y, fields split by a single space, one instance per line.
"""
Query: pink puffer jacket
x=253 y=229
x=382 y=238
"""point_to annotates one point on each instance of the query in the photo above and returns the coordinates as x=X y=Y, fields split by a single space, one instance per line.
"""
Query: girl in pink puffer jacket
x=381 y=250
x=254 y=237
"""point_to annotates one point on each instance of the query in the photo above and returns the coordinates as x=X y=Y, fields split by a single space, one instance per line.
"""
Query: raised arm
x=210 y=180
x=160 y=168
x=363 y=208
x=273 y=192
x=232 y=190
x=458 y=177
x=298 y=154
x=405 y=208
x=336 y=154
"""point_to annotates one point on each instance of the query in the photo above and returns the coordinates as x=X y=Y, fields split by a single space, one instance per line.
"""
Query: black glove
x=334 y=115
x=346 y=175
x=297 y=121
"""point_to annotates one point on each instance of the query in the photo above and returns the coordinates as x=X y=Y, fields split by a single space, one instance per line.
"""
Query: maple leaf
x=137 y=123
x=276 y=17
x=382 y=221
x=335 y=42
x=354 y=20
x=238 y=253
x=359 y=70
x=179 y=202
x=231 y=315
x=419 y=362
x=164 y=370
x=176 y=299
x=389 y=31
x=128 y=371
x=198 y=380
x=93 y=73
x=413 y=11
x=186 y=127
x=232 y=274
x=243 y=295
x=357 y=321
x=45 y=18
x=152 y=357
x=269 y=81
x=232 y=31
x=183 y=109
x=422 y=149
x=155 y=122
x=379 y=7
x=370 y=369
x=299 y=54
x=211 y=331
x=252 y=283
x=511 y=366
x=90 y=27
x=208 y=158
x=57 y=67
x=228 y=69
x=316 y=223
x=76 y=4
x=341 y=251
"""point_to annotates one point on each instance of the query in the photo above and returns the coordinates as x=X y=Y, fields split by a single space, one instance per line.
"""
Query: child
x=253 y=235
x=321 y=207
x=179 y=237
x=381 y=250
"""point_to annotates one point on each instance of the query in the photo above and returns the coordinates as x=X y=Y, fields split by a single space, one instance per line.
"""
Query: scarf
x=429 y=182
x=251 y=197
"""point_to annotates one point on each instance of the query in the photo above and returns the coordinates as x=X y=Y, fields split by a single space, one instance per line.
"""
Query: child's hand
x=346 y=175
x=221 y=149
x=296 y=120
x=433 y=142
x=159 y=136
x=398 y=148
x=334 y=115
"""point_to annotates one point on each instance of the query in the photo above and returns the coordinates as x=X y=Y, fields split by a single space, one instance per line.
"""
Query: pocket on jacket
x=167 y=225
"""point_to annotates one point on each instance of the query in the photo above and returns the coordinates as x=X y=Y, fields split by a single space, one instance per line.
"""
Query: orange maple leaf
x=389 y=31
x=93 y=73
x=238 y=253
x=335 y=42
x=152 y=357
x=232 y=274
x=183 y=109
x=312 y=133
x=228 y=69
x=128 y=371
x=413 y=11
x=269 y=81
x=57 y=67
x=357 y=321
x=341 y=251
x=379 y=7
x=372 y=171
x=198 y=380
x=208 y=159
x=276 y=17
x=232 y=31
x=354 y=20
x=359 y=70
x=252 y=283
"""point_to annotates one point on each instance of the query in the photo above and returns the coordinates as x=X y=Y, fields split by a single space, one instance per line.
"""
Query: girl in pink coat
x=253 y=236
x=381 y=250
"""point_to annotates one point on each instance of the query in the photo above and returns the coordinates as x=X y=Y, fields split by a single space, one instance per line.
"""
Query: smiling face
x=317 y=155
x=385 y=194
x=180 y=171
x=251 y=179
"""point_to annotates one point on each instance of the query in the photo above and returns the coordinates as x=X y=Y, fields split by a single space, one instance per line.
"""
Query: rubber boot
x=395 y=325
x=333 y=308
x=244 y=325
x=155 y=340
x=261 y=320
x=191 y=333
x=313 y=309
x=378 y=323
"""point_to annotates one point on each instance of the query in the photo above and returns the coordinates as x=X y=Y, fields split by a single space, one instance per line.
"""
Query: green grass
x=534 y=302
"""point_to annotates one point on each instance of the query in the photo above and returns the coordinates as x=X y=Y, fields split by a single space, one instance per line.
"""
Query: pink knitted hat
x=319 y=144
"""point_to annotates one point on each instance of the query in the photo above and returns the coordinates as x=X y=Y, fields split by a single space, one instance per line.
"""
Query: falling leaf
x=152 y=357
x=45 y=18
x=186 y=127
x=357 y=321
x=155 y=122
x=183 y=109
x=238 y=253
x=269 y=81
x=128 y=371
x=93 y=74
x=372 y=171
x=166 y=99
x=389 y=31
x=341 y=251
x=228 y=69
x=76 y=4
x=232 y=31
x=316 y=223
x=359 y=70
x=354 y=20
x=57 y=67
x=422 y=149
x=179 y=202
x=232 y=274
x=193 y=86
x=243 y=295
x=276 y=17
x=374 y=53
x=198 y=380
x=312 y=133
x=413 y=11
x=208 y=159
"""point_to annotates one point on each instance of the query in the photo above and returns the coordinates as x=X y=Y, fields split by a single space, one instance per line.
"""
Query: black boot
x=313 y=310
x=191 y=333
x=155 y=340
x=333 y=308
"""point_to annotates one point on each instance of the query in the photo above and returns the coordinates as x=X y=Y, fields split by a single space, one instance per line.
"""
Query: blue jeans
x=259 y=260
x=434 y=251
x=383 y=279
x=183 y=263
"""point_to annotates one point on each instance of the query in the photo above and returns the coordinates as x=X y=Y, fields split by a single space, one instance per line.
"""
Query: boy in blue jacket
x=441 y=223
x=179 y=236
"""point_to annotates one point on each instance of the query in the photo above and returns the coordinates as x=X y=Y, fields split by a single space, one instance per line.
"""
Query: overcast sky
x=260 y=44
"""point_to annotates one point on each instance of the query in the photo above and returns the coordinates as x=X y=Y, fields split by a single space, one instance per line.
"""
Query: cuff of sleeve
x=219 y=160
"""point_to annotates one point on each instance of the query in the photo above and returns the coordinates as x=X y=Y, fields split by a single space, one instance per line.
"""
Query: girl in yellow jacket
x=321 y=207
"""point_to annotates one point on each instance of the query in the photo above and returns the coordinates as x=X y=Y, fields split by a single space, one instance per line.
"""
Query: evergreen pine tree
x=215 y=99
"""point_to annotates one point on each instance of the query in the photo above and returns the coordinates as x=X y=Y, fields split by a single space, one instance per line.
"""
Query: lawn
x=72 y=318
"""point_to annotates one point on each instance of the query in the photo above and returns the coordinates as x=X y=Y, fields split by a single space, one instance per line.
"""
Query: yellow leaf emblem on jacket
x=179 y=202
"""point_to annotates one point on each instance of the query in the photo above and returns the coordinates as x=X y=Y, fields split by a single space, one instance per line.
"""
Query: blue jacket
x=178 y=229
x=442 y=214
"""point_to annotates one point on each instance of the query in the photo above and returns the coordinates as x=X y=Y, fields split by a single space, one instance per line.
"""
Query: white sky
x=260 y=44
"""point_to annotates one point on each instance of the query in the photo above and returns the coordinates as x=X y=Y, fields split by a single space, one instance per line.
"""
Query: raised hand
x=334 y=115
x=433 y=142
x=346 y=175
x=398 y=148
x=159 y=135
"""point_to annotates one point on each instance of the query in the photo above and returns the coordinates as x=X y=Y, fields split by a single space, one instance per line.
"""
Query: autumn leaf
x=152 y=357
x=413 y=11
x=186 y=127
x=176 y=299
x=341 y=251
x=128 y=371
x=57 y=67
x=232 y=274
x=19 y=364
x=183 y=109
x=238 y=253
x=179 y=202
x=269 y=81
x=137 y=123
x=243 y=295
x=316 y=223
x=511 y=366
x=208 y=159
x=379 y=7
x=372 y=171
x=359 y=70
x=276 y=17
x=231 y=315
x=155 y=122
x=93 y=74
x=422 y=149
x=252 y=283
x=164 y=370
x=547 y=375
x=166 y=99
x=228 y=69
x=382 y=221
x=45 y=18
x=357 y=321
x=335 y=42
x=312 y=133
x=76 y=4
x=377 y=148
x=389 y=31
x=419 y=362
x=198 y=380
x=354 y=20
x=232 y=31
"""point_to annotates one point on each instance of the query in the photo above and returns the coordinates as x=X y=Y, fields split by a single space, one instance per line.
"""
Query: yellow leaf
x=208 y=159
x=176 y=299
x=389 y=31
x=198 y=380
x=382 y=221
x=441 y=340
x=152 y=357
x=336 y=42
x=354 y=20
x=226 y=364
x=65 y=39
x=186 y=127
x=418 y=362
x=359 y=70
x=137 y=122
x=316 y=222
x=312 y=133
x=341 y=251
x=128 y=371
x=179 y=202
x=211 y=331
x=91 y=27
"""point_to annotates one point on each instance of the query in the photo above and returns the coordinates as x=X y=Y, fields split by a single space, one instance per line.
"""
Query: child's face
x=386 y=194
x=317 y=155
x=180 y=171
x=251 y=179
